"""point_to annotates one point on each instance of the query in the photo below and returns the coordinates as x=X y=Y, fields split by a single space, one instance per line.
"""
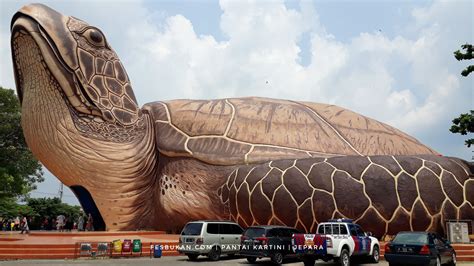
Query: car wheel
x=375 y=255
x=308 y=261
x=345 y=259
x=277 y=258
x=251 y=259
x=192 y=257
x=214 y=254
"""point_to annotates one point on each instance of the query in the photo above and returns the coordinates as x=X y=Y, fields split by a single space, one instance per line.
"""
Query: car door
x=364 y=241
x=355 y=238
x=236 y=233
x=283 y=239
x=442 y=248
x=287 y=241
x=212 y=235
x=229 y=237
x=274 y=237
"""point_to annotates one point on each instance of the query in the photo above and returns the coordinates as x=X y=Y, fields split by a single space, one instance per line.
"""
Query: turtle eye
x=94 y=37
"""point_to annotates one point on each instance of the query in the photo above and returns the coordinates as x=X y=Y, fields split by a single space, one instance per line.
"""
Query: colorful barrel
x=117 y=245
x=157 y=251
x=137 y=245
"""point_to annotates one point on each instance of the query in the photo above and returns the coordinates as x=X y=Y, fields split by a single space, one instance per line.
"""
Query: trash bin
x=102 y=249
x=117 y=246
x=86 y=249
x=137 y=246
x=157 y=251
x=127 y=246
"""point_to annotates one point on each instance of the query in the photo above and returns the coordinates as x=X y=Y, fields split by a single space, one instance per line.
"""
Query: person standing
x=45 y=224
x=69 y=223
x=52 y=225
x=60 y=222
x=80 y=223
x=17 y=223
x=89 y=225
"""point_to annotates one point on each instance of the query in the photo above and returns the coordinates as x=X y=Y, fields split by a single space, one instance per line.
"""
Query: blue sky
x=389 y=60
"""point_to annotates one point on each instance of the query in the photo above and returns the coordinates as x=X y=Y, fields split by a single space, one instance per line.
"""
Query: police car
x=336 y=240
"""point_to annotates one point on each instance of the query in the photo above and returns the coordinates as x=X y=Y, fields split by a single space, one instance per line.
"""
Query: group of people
x=61 y=223
x=89 y=223
x=16 y=224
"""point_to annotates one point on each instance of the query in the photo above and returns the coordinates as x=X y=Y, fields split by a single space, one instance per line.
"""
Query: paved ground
x=179 y=261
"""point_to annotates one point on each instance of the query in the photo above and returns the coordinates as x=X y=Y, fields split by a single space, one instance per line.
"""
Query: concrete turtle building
x=253 y=160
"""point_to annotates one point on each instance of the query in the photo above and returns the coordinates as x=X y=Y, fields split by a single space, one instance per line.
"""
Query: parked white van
x=210 y=238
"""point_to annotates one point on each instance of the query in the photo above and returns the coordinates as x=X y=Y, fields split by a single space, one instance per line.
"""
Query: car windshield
x=192 y=229
x=411 y=238
x=254 y=232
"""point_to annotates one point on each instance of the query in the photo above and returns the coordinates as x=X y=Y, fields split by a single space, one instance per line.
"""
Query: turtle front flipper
x=385 y=194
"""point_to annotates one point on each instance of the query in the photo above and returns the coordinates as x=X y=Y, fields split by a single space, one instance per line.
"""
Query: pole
x=61 y=189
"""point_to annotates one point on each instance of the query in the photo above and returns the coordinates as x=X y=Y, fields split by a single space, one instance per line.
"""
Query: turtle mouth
x=24 y=26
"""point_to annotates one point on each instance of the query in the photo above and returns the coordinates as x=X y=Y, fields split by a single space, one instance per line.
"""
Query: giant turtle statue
x=252 y=160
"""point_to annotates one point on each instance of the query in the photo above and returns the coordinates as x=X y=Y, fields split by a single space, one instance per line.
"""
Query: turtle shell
x=252 y=130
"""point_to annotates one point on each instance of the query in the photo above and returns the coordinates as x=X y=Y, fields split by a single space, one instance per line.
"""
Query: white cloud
x=426 y=115
x=6 y=71
x=403 y=100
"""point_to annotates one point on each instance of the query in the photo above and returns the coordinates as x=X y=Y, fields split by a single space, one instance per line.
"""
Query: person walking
x=24 y=225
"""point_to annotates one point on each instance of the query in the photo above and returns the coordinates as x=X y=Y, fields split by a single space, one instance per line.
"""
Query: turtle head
x=90 y=74
x=79 y=114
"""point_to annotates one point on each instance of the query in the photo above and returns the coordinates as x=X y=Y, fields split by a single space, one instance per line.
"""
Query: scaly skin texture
x=252 y=160
x=385 y=194
x=95 y=164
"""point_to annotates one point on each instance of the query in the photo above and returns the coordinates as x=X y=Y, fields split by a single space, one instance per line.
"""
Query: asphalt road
x=180 y=261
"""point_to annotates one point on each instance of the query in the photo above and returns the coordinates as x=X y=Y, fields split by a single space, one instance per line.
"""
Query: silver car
x=210 y=238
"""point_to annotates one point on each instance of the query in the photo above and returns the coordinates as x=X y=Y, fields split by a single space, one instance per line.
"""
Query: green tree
x=468 y=55
x=50 y=208
x=9 y=208
x=37 y=209
x=19 y=170
x=464 y=124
